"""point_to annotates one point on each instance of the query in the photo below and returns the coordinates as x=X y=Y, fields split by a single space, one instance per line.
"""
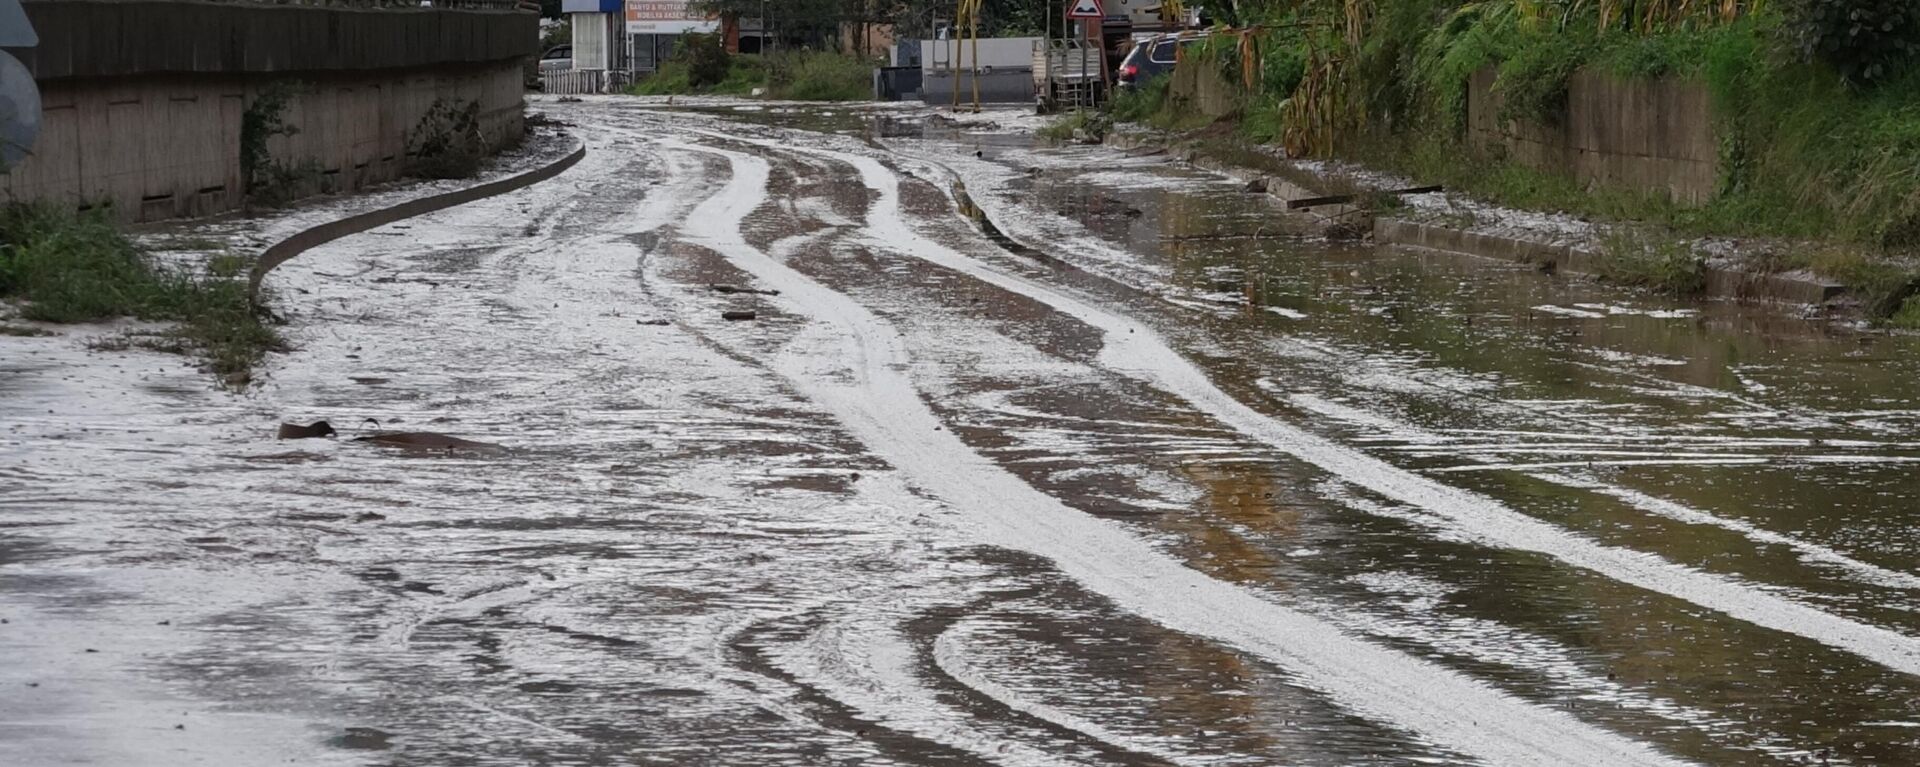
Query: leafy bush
x=670 y=79
x=706 y=60
x=1140 y=102
x=447 y=142
x=1866 y=41
x=674 y=78
x=266 y=180
x=819 y=76
x=1533 y=82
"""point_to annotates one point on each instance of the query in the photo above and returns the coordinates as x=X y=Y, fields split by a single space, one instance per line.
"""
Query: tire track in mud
x=863 y=383
x=1135 y=350
x=860 y=673
x=1818 y=554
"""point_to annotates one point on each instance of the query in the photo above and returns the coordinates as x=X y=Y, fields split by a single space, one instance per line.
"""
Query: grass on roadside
x=1628 y=257
x=796 y=75
x=66 y=268
x=1093 y=124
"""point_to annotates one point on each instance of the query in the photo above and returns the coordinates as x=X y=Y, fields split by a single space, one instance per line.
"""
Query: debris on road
x=733 y=289
x=309 y=431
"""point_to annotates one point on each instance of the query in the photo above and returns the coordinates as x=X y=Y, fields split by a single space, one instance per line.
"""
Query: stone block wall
x=1653 y=136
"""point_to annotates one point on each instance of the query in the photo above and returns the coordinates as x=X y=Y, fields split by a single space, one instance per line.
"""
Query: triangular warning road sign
x=1085 y=9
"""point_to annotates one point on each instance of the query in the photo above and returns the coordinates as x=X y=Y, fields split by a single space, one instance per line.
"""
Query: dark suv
x=1154 y=56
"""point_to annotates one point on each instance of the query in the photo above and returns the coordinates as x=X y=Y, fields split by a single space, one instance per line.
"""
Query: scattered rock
x=738 y=315
x=179 y=727
x=239 y=378
x=1258 y=185
x=309 y=431
x=368 y=516
x=426 y=440
x=661 y=323
x=731 y=289
x=366 y=738
x=91 y=650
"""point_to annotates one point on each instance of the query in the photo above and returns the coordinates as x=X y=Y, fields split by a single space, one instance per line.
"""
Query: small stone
x=179 y=727
x=91 y=650
x=738 y=315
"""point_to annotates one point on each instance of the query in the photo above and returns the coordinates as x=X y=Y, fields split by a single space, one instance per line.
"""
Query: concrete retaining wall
x=1643 y=135
x=1564 y=258
x=1197 y=88
x=1003 y=86
x=143 y=100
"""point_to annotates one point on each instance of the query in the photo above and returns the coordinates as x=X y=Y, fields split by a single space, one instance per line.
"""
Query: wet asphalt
x=929 y=506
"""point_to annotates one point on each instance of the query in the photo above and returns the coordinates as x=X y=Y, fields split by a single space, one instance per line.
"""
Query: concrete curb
x=1561 y=258
x=315 y=236
x=1333 y=220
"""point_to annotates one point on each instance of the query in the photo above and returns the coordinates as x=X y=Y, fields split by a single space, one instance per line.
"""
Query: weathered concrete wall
x=1643 y=135
x=1200 y=89
x=151 y=122
x=1003 y=86
x=117 y=38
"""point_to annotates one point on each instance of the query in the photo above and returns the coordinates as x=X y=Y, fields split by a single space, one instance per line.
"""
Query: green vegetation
x=68 y=267
x=702 y=66
x=1669 y=266
x=814 y=76
x=268 y=181
x=1090 y=123
x=447 y=143
x=1816 y=105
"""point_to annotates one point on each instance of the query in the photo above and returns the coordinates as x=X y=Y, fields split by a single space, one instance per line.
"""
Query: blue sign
x=591 y=6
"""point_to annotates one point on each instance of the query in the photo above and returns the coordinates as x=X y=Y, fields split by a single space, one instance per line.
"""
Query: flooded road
x=1139 y=479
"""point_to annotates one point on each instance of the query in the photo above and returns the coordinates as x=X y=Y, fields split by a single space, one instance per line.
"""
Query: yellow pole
x=976 y=64
x=953 y=64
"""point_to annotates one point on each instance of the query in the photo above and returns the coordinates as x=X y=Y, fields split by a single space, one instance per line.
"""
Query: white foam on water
x=850 y=361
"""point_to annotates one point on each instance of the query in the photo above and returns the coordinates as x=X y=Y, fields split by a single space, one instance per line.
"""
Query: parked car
x=1154 y=56
x=557 y=58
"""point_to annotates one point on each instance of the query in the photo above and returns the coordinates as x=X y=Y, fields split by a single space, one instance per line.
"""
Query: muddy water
x=1767 y=450
x=1730 y=439
x=941 y=503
